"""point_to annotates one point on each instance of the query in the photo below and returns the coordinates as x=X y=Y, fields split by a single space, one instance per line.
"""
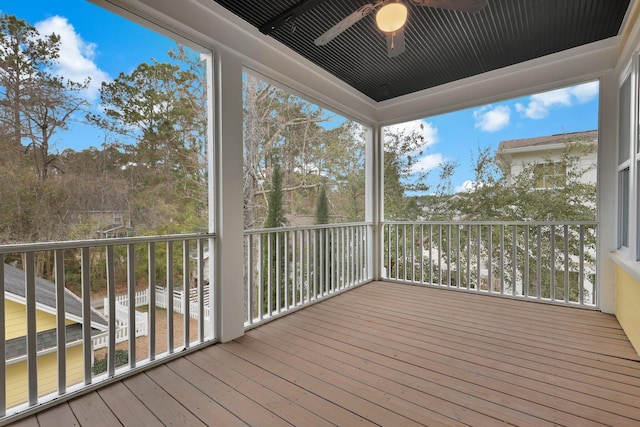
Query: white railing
x=85 y=266
x=162 y=300
x=287 y=268
x=546 y=261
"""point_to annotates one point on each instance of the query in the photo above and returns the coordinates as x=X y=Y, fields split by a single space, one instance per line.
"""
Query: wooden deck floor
x=394 y=355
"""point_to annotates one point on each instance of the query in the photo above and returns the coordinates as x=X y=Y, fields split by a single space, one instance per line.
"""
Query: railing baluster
x=566 y=263
x=289 y=268
x=249 y=272
x=397 y=253
x=3 y=366
x=87 y=347
x=61 y=332
x=357 y=273
x=458 y=238
x=514 y=259
x=327 y=262
x=152 y=300
x=131 y=291
x=269 y=274
x=32 y=353
x=186 y=286
x=201 y=286
x=440 y=254
x=301 y=281
x=169 y=298
x=479 y=258
x=413 y=252
x=552 y=261
x=449 y=255
x=278 y=284
x=431 y=254
x=388 y=272
x=501 y=260
x=525 y=280
x=322 y=261
x=539 y=262
x=490 y=258
x=468 y=285
x=581 y=267
x=111 y=295
x=310 y=249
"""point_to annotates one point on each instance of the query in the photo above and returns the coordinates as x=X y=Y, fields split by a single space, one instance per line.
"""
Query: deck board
x=389 y=354
x=124 y=404
x=92 y=410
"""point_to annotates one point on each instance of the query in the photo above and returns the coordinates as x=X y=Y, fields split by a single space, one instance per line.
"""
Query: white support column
x=374 y=197
x=607 y=191
x=226 y=189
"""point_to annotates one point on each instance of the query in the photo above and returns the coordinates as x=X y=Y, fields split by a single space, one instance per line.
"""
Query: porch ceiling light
x=391 y=17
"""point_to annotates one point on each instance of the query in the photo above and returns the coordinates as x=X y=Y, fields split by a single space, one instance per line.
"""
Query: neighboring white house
x=545 y=154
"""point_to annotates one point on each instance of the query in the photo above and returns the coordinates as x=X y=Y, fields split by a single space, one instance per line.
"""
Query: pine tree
x=322 y=207
x=274 y=246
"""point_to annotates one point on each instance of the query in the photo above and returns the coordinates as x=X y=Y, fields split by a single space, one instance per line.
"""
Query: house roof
x=442 y=45
x=542 y=141
x=14 y=283
x=17 y=347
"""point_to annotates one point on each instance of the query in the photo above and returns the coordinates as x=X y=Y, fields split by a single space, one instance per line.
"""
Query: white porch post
x=225 y=167
x=607 y=191
x=374 y=198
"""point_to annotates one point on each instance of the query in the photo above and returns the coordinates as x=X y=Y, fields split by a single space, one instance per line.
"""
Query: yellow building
x=16 y=331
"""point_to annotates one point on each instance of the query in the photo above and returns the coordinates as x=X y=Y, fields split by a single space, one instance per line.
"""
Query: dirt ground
x=142 y=343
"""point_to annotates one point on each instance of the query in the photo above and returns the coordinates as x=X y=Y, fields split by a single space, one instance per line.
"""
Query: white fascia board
x=211 y=26
x=573 y=66
x=533 y=148
x=50 y=310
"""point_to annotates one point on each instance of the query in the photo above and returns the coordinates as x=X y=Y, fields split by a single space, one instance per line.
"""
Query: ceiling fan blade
x=395 y=43
x=470 y=6
x=341 y=26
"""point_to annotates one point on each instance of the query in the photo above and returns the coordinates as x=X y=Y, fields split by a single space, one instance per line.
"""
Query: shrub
x=100 y=365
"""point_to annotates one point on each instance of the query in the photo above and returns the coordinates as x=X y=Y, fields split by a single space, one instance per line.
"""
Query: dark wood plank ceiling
x=441 y=45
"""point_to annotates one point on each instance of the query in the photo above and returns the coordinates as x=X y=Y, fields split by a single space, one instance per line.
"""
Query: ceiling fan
x=391 y=17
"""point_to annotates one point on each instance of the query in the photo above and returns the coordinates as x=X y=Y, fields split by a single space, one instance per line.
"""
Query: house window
x=550 y=175
x=624 y=164
x=623 y=219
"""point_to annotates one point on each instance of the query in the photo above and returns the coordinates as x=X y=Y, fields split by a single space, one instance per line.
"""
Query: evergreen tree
x=275 y=212
x=322 y=242
x=274 y=274
x=322 y=207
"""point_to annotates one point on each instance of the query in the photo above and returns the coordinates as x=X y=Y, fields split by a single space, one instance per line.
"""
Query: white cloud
x=466 y=187
x=424 y=129
x=428 y=162
x=76 y=60
x=540 y=104
x=585 y=92
x=492 y=119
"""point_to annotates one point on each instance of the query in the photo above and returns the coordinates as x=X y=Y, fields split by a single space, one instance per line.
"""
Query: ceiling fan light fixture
x=391 y=17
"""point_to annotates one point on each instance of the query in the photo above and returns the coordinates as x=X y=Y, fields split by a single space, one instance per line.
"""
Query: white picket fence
x=179 y=302
x=122 y=323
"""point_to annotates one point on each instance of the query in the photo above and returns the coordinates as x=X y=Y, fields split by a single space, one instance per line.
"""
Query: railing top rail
x=306 y=227
x=534 y=223
x=77 y=244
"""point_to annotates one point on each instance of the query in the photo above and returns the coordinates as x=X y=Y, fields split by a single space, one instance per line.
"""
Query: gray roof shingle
x=590 y=135
x=14 y=283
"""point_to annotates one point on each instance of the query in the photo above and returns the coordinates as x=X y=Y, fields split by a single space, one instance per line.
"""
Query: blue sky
x=457 y=136
x=94 y=43
x=99 y=44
